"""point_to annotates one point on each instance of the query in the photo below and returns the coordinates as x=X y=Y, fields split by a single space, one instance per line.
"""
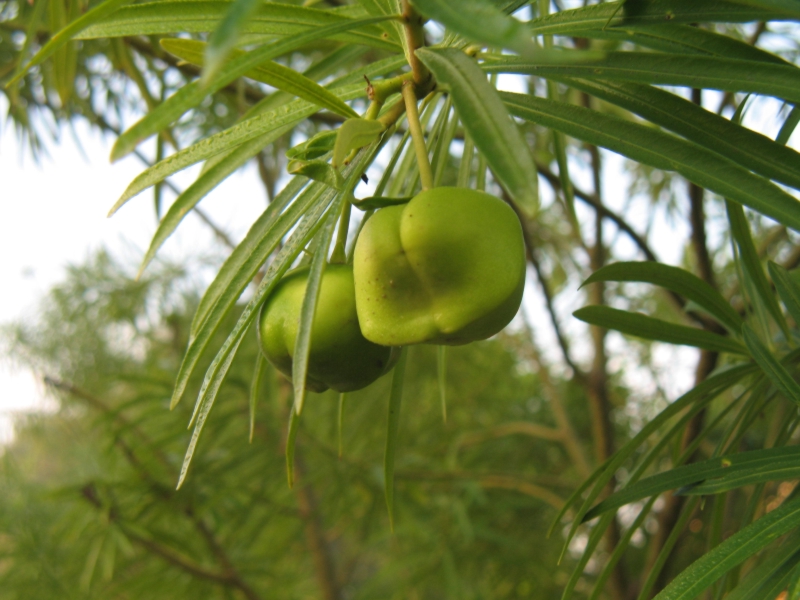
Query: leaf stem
x=425 y=172
x=339 y=255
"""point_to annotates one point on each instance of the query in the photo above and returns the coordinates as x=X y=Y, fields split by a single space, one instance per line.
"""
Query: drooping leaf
x=661 y=150
x=657 y=330
x=480 y=21
x=193 y=93
x=488 y=123
x=741 y=545
x=373 y=202
x=788 y=290
x=354 y=134
x=223 y=39
x=771 y=464
x=676 y=279
x=744 y=146
x=631 y=13
x=789 y=126
x=395 y=401
x=772 y=367
x=751 y=263
x=66 y=34
x=691 y=70
x=198 y=16
x=270 y=72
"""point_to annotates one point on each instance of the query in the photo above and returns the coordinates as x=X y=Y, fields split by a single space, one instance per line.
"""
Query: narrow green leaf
x=272 y=73
x=193 y=93
x=302 y=346
x=211 y=387
x=253 y=250
x=707 y=471
x=488 y=123
x=631 y=13
x=206 y=182
x=655 y=329
x=777 y=373
x=354 y=134
x=67 y=33
x=787 y=7
x=661 y=150
x=340 y=422
x=769 y=579
x=395 y=400
x=788 y=126
x=594 y=540
x=676 y=279
x=694 y=400
x=374 y=202
x=317 y=170
x=480 y=21
x=441 y=367
x=691 y=70
x=276 y=120
x=34 y=21
x=199 y=16
x=744 y=146
x=224 y=303
x=223 y=40
x=734 y=550
x=313 y=148
x=787 y=288
x=740 y=231
x=255 y=389
x=291 y=437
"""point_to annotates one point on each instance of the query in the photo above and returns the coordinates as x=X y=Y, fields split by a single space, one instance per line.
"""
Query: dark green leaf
x=480 y=21
x=488 y=123
x=774 y=370
x=395 y=400
x=691 y=70
x=661 y=150
x=672 y=278
x=787 y=288
x=735 y=549
x=655 y=329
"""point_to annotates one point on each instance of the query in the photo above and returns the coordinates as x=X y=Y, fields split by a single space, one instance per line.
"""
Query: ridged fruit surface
x=446 y=268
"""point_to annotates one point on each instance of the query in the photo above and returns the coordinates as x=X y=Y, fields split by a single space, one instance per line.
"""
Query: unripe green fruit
x=446 y=268
x=340 y=358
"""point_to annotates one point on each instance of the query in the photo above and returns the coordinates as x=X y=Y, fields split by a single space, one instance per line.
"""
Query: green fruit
x=446 y=268
x=340 y=357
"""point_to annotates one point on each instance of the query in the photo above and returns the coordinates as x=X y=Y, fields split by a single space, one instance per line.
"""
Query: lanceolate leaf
x=488 y=123
x=788 y=7
x=302 y=346
x=655 y=329
x=261 y=240
x=774 y=463
x=270 y=72
x=630 y=13
x=774 y=370
x=65 y=35
x=735 y=549
x=769 y=579
x=672 y=278
x=661 y=150
x=480 y=21
x=193 y=93
x=197 y=16
x=318 y=170
x=206 y=326
x=788 y=290
x=223 y=40
x=753 y=269
x=691 y=70
x=206 y=182
x=353 y=134
x=395 y=401
x=748 y=148
x=276 y=120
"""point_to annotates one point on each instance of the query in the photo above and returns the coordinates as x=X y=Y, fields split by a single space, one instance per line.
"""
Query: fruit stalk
x=425 y=171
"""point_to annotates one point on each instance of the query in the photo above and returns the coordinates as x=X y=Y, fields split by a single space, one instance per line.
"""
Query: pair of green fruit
x=446 y=268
